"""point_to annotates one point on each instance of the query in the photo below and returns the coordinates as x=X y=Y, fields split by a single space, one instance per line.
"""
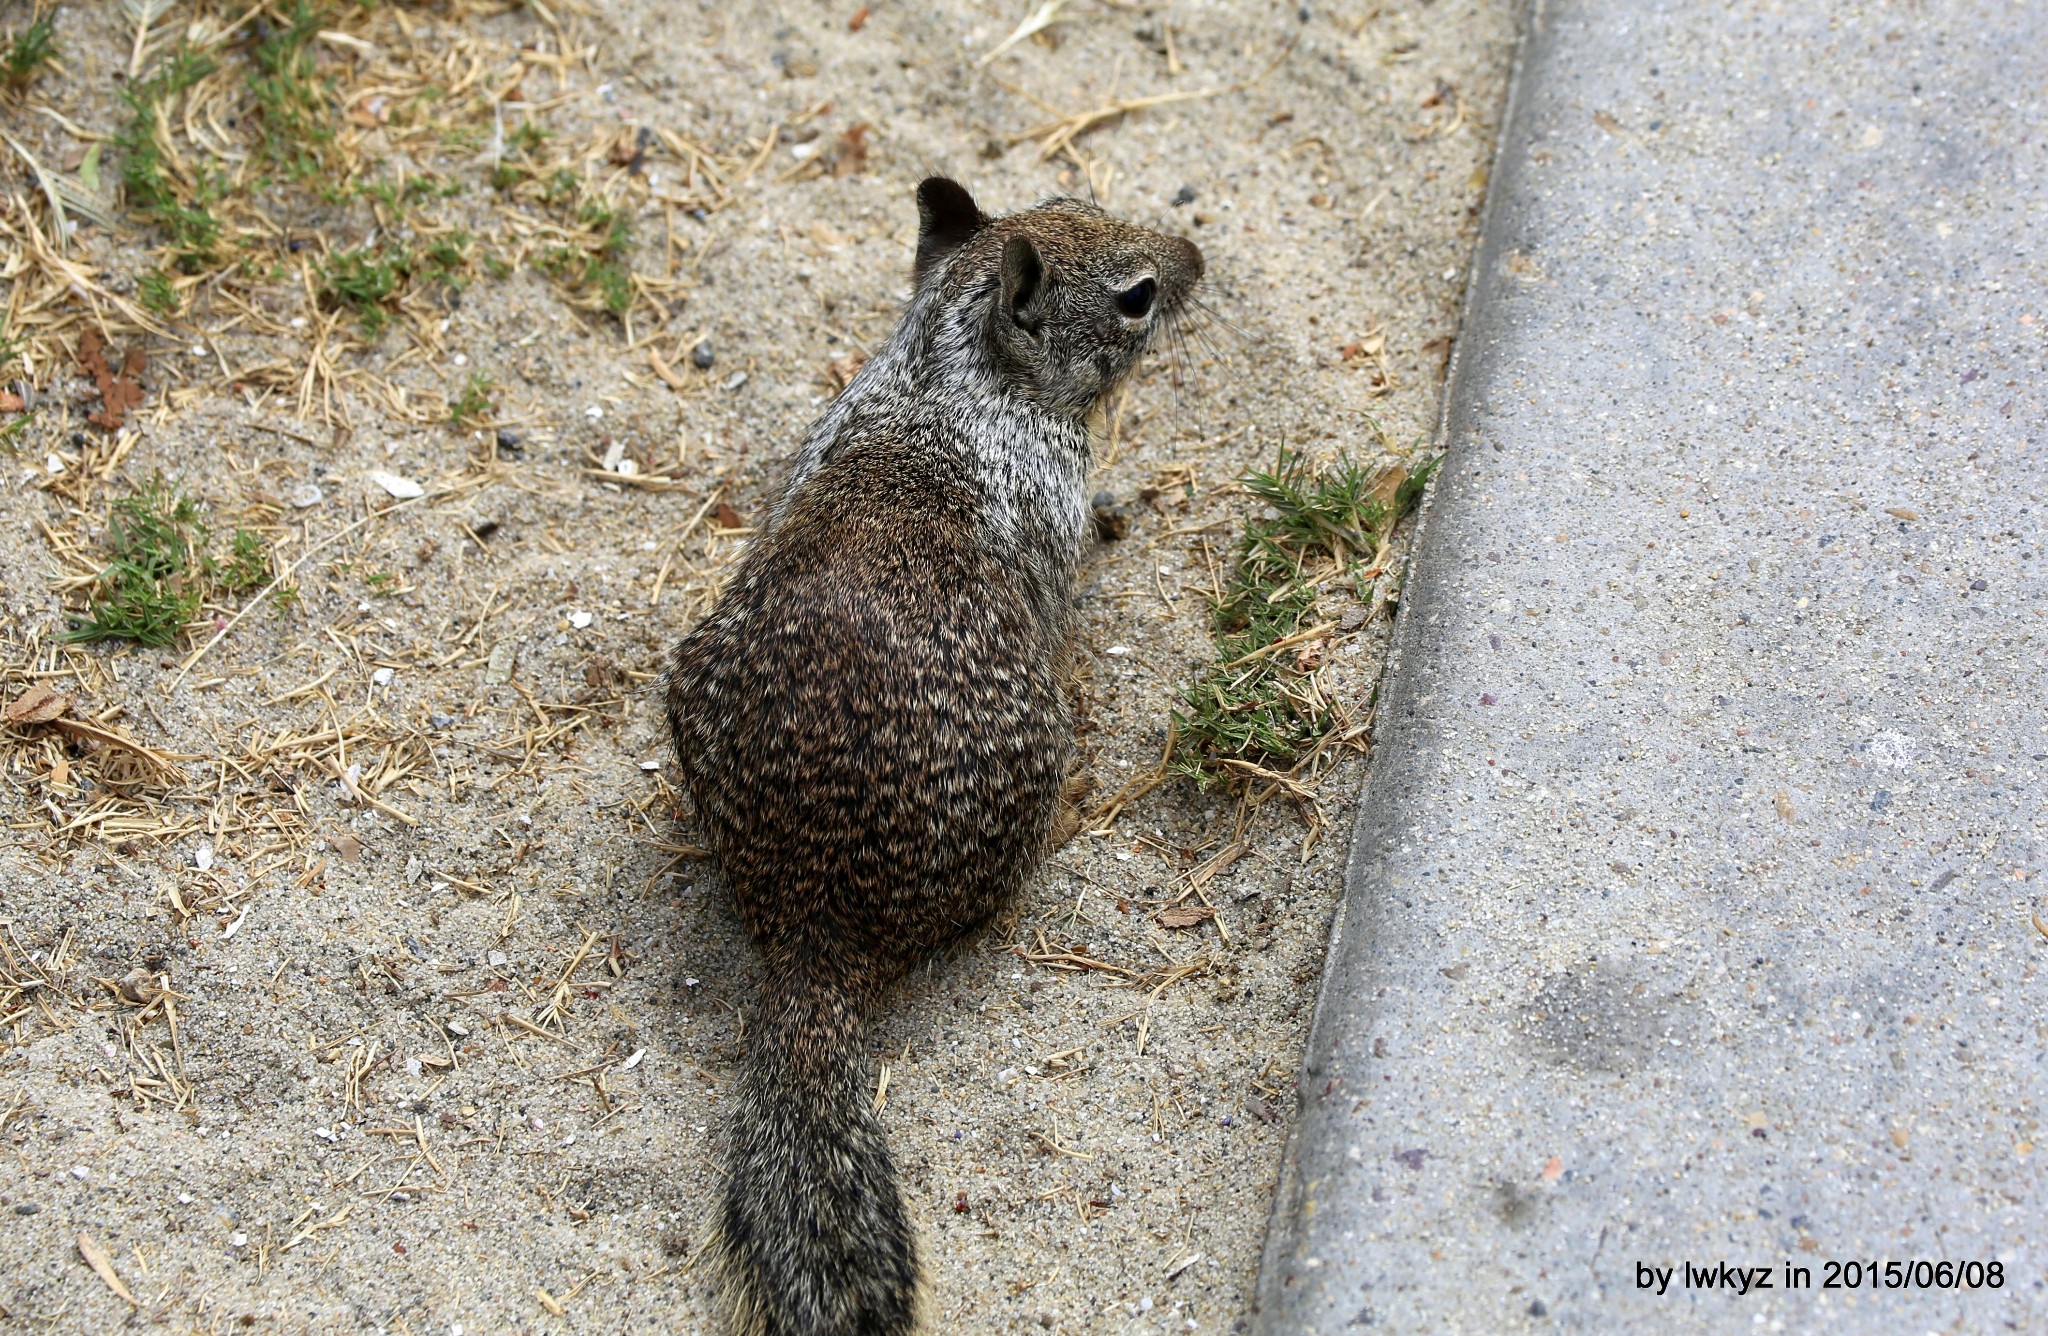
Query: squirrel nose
x=1191 y=257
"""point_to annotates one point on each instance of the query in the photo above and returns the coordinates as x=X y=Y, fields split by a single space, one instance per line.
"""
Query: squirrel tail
x=813 y=1237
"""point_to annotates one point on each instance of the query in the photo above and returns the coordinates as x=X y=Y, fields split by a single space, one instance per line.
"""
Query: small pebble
x=27 y=1208
x=702 y=357
x=306 y=495
x=202 y=857
x=439 y=720
x=405 y=489
x=382 y=677
x=580 y=620
x=508 y=439
x=739 y=378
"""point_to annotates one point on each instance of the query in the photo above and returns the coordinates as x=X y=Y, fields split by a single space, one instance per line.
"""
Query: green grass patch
x=184 y=210
x=473 y=407
x=296 y=119
x=528 y=137
x=158 y=292
x=1319 y=528
x=27 y=53
x=247 y=564
x=160 y=570
x=445 y=259
x=507 y=173
x=366 y=281
x=369 y=281
x=598 y=267
x=395 y=195
x=152 y=583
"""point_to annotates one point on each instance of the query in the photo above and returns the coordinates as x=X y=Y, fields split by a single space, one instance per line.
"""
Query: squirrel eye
x=1136 y=300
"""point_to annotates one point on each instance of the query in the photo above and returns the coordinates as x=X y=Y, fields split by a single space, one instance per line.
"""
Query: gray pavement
x=1692 y=914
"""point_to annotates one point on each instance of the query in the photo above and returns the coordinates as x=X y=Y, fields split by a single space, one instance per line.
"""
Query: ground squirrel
x=874 y=722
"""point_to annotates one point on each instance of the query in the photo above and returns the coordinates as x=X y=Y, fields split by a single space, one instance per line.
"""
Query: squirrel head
x=1064 y=299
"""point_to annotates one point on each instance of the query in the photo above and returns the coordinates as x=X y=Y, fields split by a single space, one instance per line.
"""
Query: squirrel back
x=873 y=721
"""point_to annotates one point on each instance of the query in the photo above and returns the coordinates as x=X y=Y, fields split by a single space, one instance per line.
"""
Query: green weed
x=506 y=175
x=27 y=52
x=247 y=566
x=151 y=585
x=183 y=211
x=474 y=406
x=563 y=186
x=158 y=292
x=599 y=266
x=159 y=569
x=528 y=137
x=1255 y=704
x=296 y=132
x=393 y=195
x=445 y=260
x=365 y=281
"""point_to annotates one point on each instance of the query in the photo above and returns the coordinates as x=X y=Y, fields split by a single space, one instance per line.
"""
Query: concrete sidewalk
x=1692 y=908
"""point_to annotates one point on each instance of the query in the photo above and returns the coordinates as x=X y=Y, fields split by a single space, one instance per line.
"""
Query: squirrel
x=873 y=721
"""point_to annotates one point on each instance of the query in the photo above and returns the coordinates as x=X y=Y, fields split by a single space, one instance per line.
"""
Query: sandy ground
x=454 y=1007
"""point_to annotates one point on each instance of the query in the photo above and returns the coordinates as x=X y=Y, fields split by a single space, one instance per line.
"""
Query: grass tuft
x=151 y=585
x=473 y=408
x=365 y=281
x=598 y=266
x=27 y=53
x=247 y=566
x=445 y=260
x=158 y=292
x=1261 y=706
x=183 y=209
x=296 y=133
x=159 y=570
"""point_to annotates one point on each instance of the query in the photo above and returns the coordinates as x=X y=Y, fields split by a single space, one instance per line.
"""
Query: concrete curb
x=1689 y=919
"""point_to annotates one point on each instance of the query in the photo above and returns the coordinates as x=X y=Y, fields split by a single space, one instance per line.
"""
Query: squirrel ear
x=1023 y=281
x=946 y=217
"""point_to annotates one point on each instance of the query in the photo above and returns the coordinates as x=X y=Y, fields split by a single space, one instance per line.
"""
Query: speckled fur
x=873 y=722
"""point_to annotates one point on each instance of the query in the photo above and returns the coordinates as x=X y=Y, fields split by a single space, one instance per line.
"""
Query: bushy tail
x=814 y=1240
